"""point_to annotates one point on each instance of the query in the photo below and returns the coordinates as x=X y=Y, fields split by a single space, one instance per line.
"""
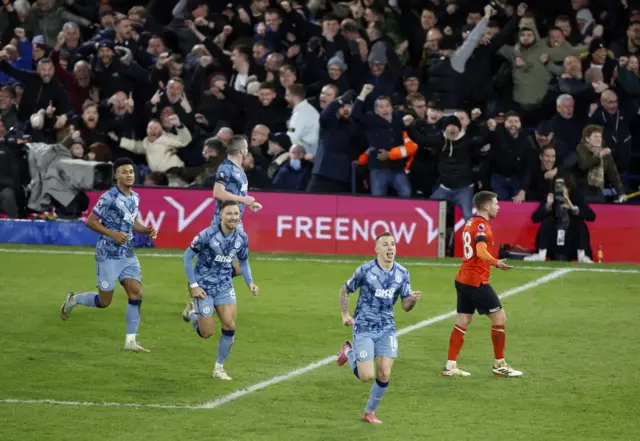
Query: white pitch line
x=321 y=260
x=295 y=373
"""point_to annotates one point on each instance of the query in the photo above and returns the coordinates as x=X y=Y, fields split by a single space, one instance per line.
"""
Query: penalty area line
x=292 y=374
x=321 y=260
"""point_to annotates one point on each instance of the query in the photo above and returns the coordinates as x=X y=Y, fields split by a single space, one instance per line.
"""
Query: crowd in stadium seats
x=414 y=98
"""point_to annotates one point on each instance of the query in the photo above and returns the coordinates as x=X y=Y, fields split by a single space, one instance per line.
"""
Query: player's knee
x=499 y=318
x=134 y=295
x=205 y=333
x=103 y=302
x=365 y=376
x=464 y=320
x=229 y=325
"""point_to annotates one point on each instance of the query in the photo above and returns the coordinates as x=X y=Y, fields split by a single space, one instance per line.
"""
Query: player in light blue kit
x=381 y=282
x=232 y=184
x=210 y=283
x=115 y=217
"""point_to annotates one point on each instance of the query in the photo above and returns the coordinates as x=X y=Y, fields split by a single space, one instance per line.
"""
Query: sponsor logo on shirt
x=223 y=259
x=385 y=293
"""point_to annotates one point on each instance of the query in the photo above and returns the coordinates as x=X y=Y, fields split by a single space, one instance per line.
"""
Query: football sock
x=351 y=357
x=90 y=299
x=194 y=321
x=377 y=392
x=456 y=340
x=499 y=339
x=224 y=345
x=133 y=316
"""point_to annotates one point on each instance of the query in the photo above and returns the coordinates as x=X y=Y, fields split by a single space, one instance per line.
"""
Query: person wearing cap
x=332 y=166
x=112 y=75
x=601 y=58
x=381 y=74
x=445 y=77
x=279 y=145
x=304 y=124
x=455 y=153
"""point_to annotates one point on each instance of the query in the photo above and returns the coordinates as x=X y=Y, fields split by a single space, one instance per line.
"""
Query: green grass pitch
x=575 y=336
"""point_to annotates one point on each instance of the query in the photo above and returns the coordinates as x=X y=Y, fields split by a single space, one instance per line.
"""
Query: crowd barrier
x=340 y=225
x=298 y=223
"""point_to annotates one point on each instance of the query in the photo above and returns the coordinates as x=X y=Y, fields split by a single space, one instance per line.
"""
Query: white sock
x=130 y=338
x=218 y=366
x=543 y=253
x=451 y=363
x=580 y=254
x=499 y=361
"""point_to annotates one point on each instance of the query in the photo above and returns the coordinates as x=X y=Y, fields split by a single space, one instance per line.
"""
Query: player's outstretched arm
x=347 y=320
x=483 y=253
x=93 y=222
x=409 y=302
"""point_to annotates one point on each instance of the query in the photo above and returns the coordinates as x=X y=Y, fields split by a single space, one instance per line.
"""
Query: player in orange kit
x=474 y=291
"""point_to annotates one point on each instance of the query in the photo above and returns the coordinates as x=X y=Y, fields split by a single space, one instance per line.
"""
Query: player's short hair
x=236 y=144
x=483 y=197
x=226 y=204
x=120 y=162
x=385 y=234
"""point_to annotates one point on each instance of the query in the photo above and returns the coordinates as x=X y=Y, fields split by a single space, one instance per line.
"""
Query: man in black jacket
x=512 y=154
x=332 y=166
x=456 y=153
x=384 y=130
x=41 y=88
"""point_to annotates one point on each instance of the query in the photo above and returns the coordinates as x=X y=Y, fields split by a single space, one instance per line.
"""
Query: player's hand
x=248 y=200
x=502 y=265
x=255 y=207
x=255 y=290
x=415 y=295
x=197 y=293
x=347 y=320
x=152 y=233
x=119 y=237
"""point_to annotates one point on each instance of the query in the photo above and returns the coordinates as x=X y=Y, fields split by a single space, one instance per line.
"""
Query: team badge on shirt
x=237 y=245
x=398 y=278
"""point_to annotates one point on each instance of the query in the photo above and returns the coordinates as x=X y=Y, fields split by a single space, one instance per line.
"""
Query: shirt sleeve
x=223 y=175
x=480 y=233
x=405 y=288
x=355 y=281
x=198 y=242
x=243 y=252
x=103 y=204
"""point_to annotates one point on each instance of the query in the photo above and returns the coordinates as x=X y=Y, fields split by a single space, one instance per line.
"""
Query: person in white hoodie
x=160 y=146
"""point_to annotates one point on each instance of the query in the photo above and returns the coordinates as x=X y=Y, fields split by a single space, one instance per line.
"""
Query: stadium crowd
x=416 y=98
